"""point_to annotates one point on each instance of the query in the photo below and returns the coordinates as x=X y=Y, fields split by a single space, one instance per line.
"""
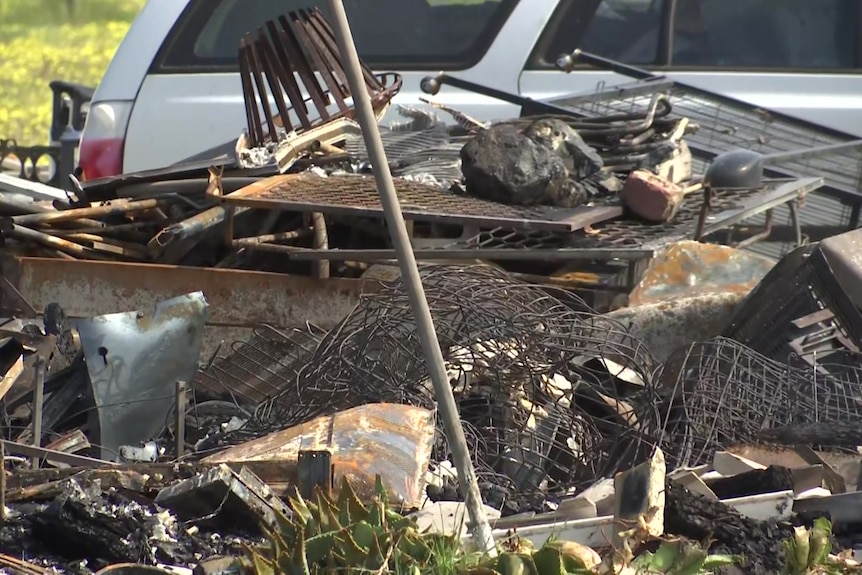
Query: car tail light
x=103 y=140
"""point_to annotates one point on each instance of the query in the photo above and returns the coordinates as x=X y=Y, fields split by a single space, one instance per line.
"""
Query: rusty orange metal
x=238 y=299
x=690 y=268
x=390 y=440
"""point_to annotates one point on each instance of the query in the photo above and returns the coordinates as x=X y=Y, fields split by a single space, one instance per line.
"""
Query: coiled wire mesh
x=721 y=393
x=551 y=394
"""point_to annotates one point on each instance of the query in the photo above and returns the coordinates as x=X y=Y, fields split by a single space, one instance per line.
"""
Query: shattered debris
x=720 y=399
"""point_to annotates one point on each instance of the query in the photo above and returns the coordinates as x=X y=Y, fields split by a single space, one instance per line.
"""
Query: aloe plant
x=345 y=535
x=341 y=535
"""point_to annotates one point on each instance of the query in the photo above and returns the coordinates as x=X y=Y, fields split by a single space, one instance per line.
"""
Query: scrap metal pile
x=579 y=206
x=554 y=397
x=598 y=184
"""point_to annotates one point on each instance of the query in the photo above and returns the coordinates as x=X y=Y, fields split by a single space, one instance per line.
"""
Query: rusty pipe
x=255 y=241
x=108 y=245
x=190 y=227
x=65 y=246
x=321 y=242
x=117 y=207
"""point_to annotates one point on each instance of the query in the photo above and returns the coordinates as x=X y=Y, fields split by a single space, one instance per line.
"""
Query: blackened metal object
x=294 y=46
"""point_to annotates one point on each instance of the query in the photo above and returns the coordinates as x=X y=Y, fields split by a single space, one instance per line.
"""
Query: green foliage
x=681 y=558
x=329 y=536
x=345 y=535
x=40 y=42
x=807 y=552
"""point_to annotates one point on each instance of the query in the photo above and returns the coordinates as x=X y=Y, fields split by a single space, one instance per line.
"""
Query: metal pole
x=38 y=401
x=2 y=483
x=410 y=274
x=181 y=418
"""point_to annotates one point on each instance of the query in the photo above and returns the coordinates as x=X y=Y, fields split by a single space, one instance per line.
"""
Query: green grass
x=40 y=42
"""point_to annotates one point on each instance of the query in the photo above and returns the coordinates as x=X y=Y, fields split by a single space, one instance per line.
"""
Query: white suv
x=173 y=90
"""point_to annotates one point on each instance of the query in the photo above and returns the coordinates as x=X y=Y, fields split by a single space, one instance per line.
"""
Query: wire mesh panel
x=261 y=367
x=722 y=393
x=727 y=124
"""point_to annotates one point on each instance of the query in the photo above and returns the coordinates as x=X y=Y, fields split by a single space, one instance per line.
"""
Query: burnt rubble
x=614 y=351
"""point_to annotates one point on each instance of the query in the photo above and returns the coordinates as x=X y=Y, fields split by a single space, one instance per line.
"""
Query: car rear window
x=389 y=34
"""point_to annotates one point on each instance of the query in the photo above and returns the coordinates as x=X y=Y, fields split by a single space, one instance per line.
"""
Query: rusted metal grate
x=357 y=196
x=260 y=368
x=727 y=209
x=301 y=44
x=727 y=124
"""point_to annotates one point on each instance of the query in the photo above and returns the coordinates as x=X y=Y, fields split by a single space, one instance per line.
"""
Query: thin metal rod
x=410 y=274
x=181 y=418
x=38 y=402
x=2 y=484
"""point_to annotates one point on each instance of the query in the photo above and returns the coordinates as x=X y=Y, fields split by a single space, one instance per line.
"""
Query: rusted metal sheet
x=238 y=300
x=688 y=269
x=390 y=440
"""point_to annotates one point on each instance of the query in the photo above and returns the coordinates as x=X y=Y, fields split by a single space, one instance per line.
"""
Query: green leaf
x=350 y=507
x=380 y=491
x=319 y=547
x=376 y=514
x=718 y=561
x=691 y=560
x=516 y=564
x=376 y=556
x=261 y=565
x=820 y=545
x=363 y=535
x=297 y=503
x=665 y=557
x=299 y=564
x=549 y=561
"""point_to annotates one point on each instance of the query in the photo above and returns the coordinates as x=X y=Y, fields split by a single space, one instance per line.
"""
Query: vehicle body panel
x=179 y=115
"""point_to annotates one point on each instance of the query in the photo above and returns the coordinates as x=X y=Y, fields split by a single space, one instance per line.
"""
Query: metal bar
x=413 y=283
x=10 y=290
x=2 y=484
x=288 y=79
x=299 y=19
x=330 y=50
x=22 y=233
x=191 y=227
x=370 y=79
x=38 y=403
x=269 y=238
x=255 y=129
x=265 y=247
x=272 y=71
x=332 y=72
x=257 y=76
x=762 y=235
x=15 y=448
x=118 y=207
x=321 y=242
x=789 y=191
x=306 y=74
x=181 y=418
x=502 y=254
x=794 y=217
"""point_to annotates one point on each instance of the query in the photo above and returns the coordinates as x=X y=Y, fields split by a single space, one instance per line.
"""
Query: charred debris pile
x=592 y=325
